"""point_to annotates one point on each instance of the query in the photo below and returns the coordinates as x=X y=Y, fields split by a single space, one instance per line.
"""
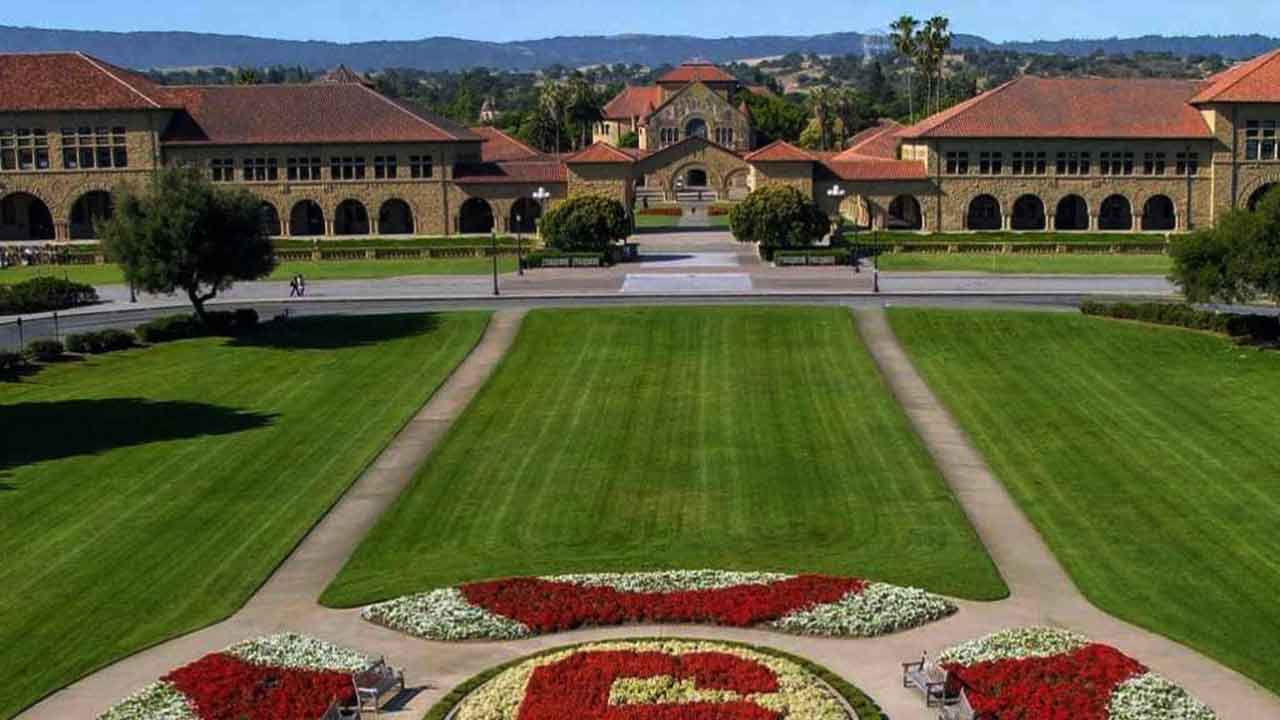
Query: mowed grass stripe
x=164 y=484
x=757 y=438
x=1145 y=456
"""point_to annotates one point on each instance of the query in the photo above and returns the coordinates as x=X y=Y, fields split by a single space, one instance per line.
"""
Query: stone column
x=62 y=231
x=1006 y=222
x=1137 y=223
x=328 y=227
x=1093 y=222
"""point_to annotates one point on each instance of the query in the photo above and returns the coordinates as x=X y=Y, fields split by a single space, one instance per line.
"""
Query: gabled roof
x=878 y=141
x=1257 y=80
x=73 y=81
x=633 y=101
x=671 y=98
x=500 y=147
x=1035 y=107
x=519 y=171
x=600 y=152
x=293 y=114
x=855 y=167
x=342 y=74
x=779 y=151
x=696 y=71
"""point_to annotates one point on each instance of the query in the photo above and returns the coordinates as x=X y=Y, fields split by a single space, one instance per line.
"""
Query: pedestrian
x=302 y=285
x=293 y=286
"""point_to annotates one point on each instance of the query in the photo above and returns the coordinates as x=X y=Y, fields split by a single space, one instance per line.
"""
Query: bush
x=102 y=341
x=1248 y=328
x=185 y=327
x=585 y=222
x=778 y=217
x=10 y=361
x=43 y=294
x=44 y=350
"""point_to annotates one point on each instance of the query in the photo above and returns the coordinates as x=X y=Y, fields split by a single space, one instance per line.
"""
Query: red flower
x=548 y=606
x=1071 y=686
x=224 y=687
x=578 y=686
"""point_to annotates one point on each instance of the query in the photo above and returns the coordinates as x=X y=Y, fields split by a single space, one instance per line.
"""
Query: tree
x=822 y=104
x=629 y=139
x=552 y=104
x=936 y=43
x=778 y=217
x=848 y=109
x=582 y=108
x=585 y=222
x=775 y=118
x=186 y=234
x=905 y=41
x=1236 y=261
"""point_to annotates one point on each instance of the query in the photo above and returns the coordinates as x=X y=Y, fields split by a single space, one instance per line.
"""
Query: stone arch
x=350 y=218
x=86 y=212
x=270 y=219
x=682 y=173
x=524 y=215
x=1159 y=213
x=1028 y=213
x=904 y=214
x=1115 y=213
x=984 y=214
x=1072 y=213
x=475 y=216
x=395 y=217
x=306 y=219
x=1256 y=196
x=24 y=216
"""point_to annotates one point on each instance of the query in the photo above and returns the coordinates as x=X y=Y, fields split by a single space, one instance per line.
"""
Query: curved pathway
x=1041 y=592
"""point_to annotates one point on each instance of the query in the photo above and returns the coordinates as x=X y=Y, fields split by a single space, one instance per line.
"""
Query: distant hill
x=146 y=50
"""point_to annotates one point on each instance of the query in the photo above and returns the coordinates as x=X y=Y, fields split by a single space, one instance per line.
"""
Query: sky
x=505 y=20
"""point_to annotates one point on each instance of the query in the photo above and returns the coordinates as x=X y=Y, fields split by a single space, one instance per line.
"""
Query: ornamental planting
x=801 y=604
x=1051 y=674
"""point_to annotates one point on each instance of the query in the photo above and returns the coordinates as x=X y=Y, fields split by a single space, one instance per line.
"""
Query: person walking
x=302 y=285
x=293 y=286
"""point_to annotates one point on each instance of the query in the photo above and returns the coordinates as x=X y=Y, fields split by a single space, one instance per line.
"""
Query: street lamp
x=837 y=193
x=541 y=196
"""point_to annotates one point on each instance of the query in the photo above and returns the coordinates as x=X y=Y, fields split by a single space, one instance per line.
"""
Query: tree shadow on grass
x=35 y=432
x=335 y=332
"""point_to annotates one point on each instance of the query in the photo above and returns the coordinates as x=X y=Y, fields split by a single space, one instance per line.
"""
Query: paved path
x=1041 y=592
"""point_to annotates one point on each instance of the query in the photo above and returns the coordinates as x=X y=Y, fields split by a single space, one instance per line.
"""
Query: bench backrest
x=379 y=677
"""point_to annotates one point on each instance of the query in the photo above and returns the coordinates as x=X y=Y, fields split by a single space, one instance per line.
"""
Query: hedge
x=1247 y=328
x=44 y=350
x=102 y=341
x=11 y=361
x=43 y=294
x=183 y=327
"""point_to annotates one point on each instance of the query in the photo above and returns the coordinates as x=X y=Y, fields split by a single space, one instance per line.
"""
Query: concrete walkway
x=1041 y=592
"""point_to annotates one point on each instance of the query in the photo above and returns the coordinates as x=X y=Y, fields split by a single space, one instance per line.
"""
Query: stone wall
x=723 y=169
x=608 y=179
x=697 y=101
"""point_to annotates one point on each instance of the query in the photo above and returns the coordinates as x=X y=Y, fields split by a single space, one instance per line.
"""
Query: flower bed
x=656 y=680
x=801 y=604
x=279 y=677
x=1050 y=674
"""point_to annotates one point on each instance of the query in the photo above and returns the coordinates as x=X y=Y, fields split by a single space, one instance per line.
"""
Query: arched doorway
x=1159 y=214
x=696 y=127
x=1115 y=213
x=1028 y=213
x=524 y=215
x=395 y=218
x=306 y=219
x=695 y=179
x=87 y=211
x=270 y=219
x=351 y=218
x=1072 y=214
x=984 y=214
x=1258 y=194
x=475 y=216
x=904 y=214
x=24 y=216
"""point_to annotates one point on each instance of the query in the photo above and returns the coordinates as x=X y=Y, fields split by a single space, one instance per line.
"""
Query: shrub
x=184 y=327
x=43 y=294
x=778 y=216
x=44 y=350
x=102 y=341
x=10 y=361
x=585 y=222
x=1248 y=328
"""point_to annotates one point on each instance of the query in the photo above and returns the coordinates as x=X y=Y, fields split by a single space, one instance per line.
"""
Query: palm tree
x=822 y=103
x=551 y=105
x=905 y=41
x=938 y=39
x=583 y=108
x=848 y=110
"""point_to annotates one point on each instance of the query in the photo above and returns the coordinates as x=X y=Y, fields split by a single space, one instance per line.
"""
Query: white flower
x=878 y=610
x=1152 y=697
x=671 y=580
x=443 y=615
x=157 y=701
x=299 y=652
x=1014 y=644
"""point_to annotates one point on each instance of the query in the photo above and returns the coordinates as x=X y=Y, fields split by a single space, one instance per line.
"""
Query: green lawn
x=1146 y=457
x=739 y=438
x=148 y=493
x=656 y=221
x=318 y=270
x=1028 y=264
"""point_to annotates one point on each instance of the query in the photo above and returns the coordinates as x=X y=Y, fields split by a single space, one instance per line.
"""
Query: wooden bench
x=372 y=684
x=928 y=678
x=959 y=710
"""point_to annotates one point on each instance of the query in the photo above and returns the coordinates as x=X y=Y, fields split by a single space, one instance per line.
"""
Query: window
x=8 y=152
x=384 y=167
x=1260 y=140
x=724 y=136
x=420 y=166
x=990 y=163
x=1029 y=163
x=346 y=168
x=86 y=148
x=1073 y=163
x=1187 y=164
x=261 y=170
x=668 y=135
x=957 y=163
x=302 y=169
x=1153 y=163
x=1115 y=163
x=24 y=149
x=222 y=169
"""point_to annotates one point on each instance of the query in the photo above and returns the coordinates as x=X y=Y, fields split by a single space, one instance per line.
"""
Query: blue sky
x=500 y=20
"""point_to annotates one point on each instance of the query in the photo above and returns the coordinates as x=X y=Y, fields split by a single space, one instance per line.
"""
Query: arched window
x=984 y=214
x=904 y=214
x=1258 y=194
x=87 y=211
x=1028 y=213
x=695 y=178
x=351 y=218
x=1072 y=214
x=475 y=216
x=1159 y=214
x=270 y=219
x=524 y=215
x=696 y=127
x=395 y=218
x=24 y=216
x=306 y=219
x=1115 y=213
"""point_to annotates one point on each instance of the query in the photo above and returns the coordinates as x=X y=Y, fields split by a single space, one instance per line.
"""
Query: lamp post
x=837 y=193
x=541 y=196
x=493 y=253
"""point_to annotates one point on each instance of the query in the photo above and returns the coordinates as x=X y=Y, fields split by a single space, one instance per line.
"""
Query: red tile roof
x=499 y=146
x=779 y=151
x=633 y=101
x=73 y=81
x=315 y=113
x=520 y=171
x=879 y=141
x=1255 y=81
x=1034 y=107
x=695 y=71
x=855 y=167
x=600 y=153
